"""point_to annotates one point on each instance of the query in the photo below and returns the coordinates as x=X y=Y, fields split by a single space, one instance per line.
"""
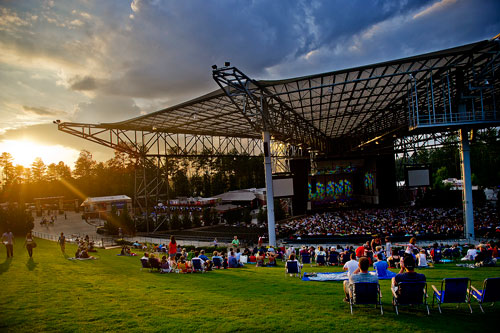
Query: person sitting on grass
x=260 y=259
x=85 y=255
x=407 y=272
x=233 y=262
x=361 y=275
x=394 y=259
x=217 y=260
x=183 y=265
x=351 y=265
x=184 y=253
x=271 y=257
x=197 y=256
x=164 y=265
x=422 y=259
x=225 y=263
x=238 y=255
x=381 y=266
x=154 y=262
x=203 y=256
x=320 y=252
x=293 y=259
x=471 y=254
x=378 y=250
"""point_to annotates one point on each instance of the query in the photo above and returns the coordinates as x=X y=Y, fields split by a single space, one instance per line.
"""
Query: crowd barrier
x=98 y=241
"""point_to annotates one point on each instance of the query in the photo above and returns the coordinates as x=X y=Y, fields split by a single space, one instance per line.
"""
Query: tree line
x=194 y=176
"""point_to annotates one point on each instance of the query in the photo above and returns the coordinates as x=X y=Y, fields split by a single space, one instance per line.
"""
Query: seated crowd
x=390 y=221
x=85 y=245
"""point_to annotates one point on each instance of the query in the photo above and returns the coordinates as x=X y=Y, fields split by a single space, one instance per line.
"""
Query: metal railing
x=98 y=241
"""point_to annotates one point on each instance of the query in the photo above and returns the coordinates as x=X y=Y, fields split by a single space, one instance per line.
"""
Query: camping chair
x=489 y=293
x=436 y=255
x=145 y=264
x=217 y=262
x=410 y=293
x=320 y=260
x=292 y=267
x=453 y=290
x=154 y=264
x=365 y=293
x=197 y=265
x=306 y=259
x=333 y=258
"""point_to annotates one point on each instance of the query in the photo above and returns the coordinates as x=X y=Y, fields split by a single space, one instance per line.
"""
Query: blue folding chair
x=453 y=290
x=320 y=260
x=197 y=265
x=217 y=262
x=366 y=293
x=333 y=258
x=410 y=293
x=306 y=259
x=489 y=294
x=292 y=267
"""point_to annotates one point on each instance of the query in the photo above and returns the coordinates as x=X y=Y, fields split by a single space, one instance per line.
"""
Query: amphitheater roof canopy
x=344 y=107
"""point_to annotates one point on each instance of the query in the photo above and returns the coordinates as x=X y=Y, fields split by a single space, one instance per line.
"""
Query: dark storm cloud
x=173 y=45
x=117 y=52
x=86 y=83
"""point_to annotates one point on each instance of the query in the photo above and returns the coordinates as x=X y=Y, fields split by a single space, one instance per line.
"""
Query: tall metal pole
x=145 y=192
x=269 y=188
x=466 y=185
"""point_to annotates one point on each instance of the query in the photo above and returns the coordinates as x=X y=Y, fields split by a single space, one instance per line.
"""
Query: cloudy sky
x=102 y=61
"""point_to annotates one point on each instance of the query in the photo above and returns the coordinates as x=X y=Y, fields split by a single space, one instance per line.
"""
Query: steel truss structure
x=382 y=108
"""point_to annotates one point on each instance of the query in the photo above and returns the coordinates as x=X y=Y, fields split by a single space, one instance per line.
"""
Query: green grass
x=52 y=293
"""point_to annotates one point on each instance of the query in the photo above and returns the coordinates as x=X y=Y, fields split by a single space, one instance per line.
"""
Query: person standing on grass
x=172 y=247
x=62 y=242
x=29 y=243
x=236 y=242
x=8 y=240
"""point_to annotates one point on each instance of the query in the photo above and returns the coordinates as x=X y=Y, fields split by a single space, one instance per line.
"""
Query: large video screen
x=418 y=177
x=282 y=187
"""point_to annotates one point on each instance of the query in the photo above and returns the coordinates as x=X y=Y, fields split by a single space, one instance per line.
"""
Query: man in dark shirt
x=408 y=265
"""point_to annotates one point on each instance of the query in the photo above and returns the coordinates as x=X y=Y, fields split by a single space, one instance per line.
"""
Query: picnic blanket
x=338 y=276
x=73 y=258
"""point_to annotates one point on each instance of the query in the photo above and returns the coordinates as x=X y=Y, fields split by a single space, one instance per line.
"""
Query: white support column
x=467 y=185
x=269 y=188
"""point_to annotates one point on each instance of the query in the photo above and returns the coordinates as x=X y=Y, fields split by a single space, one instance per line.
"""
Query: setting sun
x=25 y=152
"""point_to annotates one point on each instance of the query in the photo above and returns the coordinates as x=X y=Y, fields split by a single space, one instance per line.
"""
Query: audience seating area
x=407 y=294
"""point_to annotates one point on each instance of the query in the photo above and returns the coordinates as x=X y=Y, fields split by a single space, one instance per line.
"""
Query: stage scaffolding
x=391 y=107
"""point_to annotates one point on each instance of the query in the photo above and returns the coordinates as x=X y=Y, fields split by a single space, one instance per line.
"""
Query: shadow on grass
x=31 y=264
x=4 y=267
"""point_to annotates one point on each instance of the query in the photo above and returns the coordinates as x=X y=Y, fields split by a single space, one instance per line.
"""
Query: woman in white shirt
x=422 y=259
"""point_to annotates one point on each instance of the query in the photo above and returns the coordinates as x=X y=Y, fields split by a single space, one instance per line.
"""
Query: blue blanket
x=338 y=276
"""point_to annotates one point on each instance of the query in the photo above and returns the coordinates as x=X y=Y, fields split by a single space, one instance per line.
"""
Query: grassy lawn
x=52 y=293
